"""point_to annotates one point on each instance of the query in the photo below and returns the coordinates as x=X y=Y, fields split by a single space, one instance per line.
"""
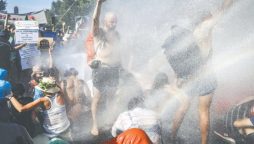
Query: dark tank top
x=183 y=53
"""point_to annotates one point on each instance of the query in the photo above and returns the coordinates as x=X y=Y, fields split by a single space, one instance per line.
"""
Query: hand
x=9 y=96
x=24 y=44
x=95 y=64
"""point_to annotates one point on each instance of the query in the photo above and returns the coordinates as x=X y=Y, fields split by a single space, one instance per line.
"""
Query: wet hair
x=109 y=15
x=136 y=102
x=18 y=89
x=53 y=72
x=35 y=70
x=70 y=72
x=160 y=80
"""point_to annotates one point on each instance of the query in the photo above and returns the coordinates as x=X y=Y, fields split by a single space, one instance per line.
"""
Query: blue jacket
x=3 y=74
x=5 y=86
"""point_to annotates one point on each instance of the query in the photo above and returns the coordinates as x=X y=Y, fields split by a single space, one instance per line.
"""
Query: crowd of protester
x=58 y=106
x=43 y=104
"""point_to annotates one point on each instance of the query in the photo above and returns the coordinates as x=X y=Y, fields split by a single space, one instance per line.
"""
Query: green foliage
x=67 y=10
x=45 y=86
x=2 y=5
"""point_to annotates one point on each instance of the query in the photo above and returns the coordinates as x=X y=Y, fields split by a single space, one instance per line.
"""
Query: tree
x=2 y=5
x=67 y=10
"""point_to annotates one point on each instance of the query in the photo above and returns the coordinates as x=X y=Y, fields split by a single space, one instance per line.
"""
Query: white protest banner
x=26 y=32
x=26 y=25
x=28 y=55
x=26 y=36
x=26 y=63
x=38 y=16
x=3 y=16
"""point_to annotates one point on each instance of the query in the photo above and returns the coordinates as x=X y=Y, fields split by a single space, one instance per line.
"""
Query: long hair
x=160 y=80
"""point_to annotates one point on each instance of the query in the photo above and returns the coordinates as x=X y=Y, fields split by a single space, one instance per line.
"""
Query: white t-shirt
x=144 y=119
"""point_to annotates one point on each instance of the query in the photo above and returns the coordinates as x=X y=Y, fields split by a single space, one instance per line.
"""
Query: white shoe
x=225 y=138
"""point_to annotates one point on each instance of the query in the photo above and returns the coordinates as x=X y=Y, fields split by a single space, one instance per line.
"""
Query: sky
x=28 y=5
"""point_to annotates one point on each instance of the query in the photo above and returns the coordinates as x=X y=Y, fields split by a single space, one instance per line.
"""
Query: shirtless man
x=189 y=54
x=106 y=63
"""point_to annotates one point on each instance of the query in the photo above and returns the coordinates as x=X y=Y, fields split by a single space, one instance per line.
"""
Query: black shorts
x=200 y=85
x=104 y=77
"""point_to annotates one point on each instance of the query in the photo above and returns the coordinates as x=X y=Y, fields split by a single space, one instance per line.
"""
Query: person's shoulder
x=145 y=112
x=142 y=111
x=124 y=115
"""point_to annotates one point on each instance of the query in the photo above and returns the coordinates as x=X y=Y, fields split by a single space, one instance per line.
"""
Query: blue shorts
x=200 y=86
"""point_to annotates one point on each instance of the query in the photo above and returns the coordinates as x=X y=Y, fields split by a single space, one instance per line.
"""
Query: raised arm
x=20 y=46
x=50 y=55
x=21 y=108
x=96 y=17
x=6 y=21
x=215 y=16
x=226 y=5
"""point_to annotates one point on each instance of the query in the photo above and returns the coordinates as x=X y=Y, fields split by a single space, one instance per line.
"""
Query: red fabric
x=130 y=136
x=30 y=17
x=89 y=44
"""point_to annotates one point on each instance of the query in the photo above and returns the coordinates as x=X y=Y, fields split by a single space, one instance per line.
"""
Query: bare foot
x=94 y=131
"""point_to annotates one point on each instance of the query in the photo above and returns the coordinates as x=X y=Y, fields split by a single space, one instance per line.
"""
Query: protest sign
x=27 y=55
x=49 y=34
x=38 y=16
x=26 y=32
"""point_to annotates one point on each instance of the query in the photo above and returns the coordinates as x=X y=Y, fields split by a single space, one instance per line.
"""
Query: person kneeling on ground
x=138 y=117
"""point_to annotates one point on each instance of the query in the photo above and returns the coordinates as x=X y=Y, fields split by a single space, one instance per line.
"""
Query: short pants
x=200 y=85
x=104 y=77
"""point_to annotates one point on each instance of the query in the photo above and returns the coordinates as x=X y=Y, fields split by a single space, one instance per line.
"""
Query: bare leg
x=178 y=117
x=95 y=100
x=204 y=116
